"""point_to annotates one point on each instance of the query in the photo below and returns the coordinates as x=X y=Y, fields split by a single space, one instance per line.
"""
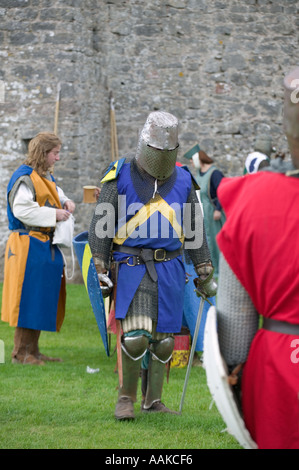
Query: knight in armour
x=145 y=262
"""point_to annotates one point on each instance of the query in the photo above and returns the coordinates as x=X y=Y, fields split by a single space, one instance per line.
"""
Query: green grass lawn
x=61 y=406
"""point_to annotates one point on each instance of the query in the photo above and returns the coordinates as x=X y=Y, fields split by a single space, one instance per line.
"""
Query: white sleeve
x=62 y=197
x=29 y=212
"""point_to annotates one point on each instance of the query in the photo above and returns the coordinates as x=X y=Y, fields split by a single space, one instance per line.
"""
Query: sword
x=118 y=349
x=195 y=336
x=114 y=269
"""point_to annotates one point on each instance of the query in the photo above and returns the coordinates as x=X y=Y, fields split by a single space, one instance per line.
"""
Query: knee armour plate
x=162 y=350
x=135 y=347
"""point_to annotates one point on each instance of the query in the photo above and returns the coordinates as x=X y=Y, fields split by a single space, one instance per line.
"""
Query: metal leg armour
x=160 y=353
x=133 y=349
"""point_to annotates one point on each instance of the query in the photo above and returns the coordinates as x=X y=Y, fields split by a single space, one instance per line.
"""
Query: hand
x=106 y=284
x=97 y=192
x=204 y=269
x=69 y=206
x=205 y=284
x=217 y=215
x=62 y=214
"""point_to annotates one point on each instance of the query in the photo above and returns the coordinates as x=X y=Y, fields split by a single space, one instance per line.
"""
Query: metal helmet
x=158 y=145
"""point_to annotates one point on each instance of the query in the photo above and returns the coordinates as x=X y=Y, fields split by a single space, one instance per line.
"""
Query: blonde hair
x=38 y=150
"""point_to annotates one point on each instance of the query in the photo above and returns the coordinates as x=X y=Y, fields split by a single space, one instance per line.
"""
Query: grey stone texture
x=217 y=65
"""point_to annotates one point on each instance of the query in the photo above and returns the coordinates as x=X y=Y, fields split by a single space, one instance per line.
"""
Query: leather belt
x=280 y=326
x=34 y=229
x=147 y=256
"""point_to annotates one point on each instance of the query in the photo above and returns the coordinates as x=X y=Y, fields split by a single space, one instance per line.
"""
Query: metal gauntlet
x=205 y=284
x=106 y=284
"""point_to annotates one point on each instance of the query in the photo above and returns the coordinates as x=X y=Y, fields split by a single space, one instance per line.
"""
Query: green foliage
x=62 y=406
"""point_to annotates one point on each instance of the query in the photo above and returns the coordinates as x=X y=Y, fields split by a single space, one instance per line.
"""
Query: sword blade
x=119 y=357
x=114 y=271
x=195 y=336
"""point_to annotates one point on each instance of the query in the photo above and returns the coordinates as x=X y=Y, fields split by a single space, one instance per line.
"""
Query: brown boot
x=31 y=360
x=26 y=347
x=159 y=407
x=124 y=409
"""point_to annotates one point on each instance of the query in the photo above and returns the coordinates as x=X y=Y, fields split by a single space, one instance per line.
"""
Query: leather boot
x=124 y=409
x=26 y=347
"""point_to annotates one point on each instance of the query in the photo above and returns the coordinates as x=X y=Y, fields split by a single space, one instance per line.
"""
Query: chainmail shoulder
x=106 y=209
x=237 y=317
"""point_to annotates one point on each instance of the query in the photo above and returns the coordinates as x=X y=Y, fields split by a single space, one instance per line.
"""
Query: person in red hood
x=259 y=280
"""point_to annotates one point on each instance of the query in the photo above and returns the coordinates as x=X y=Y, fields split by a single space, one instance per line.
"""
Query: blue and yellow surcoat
x=34 y=284
x=157 y=224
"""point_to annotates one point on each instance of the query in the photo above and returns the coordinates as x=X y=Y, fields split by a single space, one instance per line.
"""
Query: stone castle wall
x=217 y=65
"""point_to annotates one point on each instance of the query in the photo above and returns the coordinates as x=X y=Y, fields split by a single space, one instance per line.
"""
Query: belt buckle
x=156 y=254
x=133 y=260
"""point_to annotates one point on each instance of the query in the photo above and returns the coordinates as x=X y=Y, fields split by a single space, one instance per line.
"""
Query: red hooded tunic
x=260 y=242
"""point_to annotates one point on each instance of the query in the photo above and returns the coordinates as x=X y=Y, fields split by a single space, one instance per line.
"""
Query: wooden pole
x=57 y=109
x=113 y=136
x=114 y=156
x=51 y=170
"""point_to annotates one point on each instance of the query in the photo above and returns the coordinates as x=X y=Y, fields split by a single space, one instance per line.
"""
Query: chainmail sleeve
x=237 y=317
x=196 y=245
x=102 y=226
